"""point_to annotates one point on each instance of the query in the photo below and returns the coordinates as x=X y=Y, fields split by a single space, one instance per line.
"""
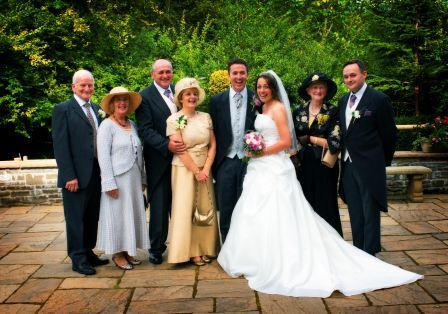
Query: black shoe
x=96 y=261
x=155 y=258
x=84 y=269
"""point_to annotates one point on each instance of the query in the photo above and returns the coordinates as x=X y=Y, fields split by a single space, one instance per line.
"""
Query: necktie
x=167 y=93
x=238 y=100
x=351 y=103
x=92 y=123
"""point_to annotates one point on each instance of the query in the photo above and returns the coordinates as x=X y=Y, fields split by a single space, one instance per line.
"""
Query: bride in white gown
x=276 y=240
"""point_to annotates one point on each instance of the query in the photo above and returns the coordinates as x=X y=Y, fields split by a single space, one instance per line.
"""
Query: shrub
x=219 y=81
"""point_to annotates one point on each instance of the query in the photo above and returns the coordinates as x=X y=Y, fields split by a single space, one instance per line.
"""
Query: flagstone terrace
x=36 y=275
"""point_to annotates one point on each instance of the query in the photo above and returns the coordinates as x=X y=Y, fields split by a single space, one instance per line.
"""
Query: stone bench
x=415 y=179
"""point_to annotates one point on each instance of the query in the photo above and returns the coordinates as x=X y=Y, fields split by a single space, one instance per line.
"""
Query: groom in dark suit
x=157 y=105
x=74 y=126
x=368 y=141
x=232 y=114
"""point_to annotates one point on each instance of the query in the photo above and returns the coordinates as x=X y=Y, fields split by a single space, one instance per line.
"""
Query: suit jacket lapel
x=159 y=101
x=360 y=108
x=226 y=112
x=250 y=111
x=342 y=112
x=77 y=108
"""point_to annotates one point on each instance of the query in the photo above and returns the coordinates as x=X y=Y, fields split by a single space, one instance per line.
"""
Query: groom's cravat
x=92 y=123
x=352 y=101
x=238 y=99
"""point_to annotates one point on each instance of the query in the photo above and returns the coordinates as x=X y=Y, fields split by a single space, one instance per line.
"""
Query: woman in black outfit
x=316 y=124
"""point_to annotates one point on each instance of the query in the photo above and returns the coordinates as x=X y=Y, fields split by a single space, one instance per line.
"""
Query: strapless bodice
x=266 y=126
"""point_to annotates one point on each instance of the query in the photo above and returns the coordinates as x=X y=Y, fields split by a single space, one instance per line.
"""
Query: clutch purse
x=328 y=159
x=204 y=208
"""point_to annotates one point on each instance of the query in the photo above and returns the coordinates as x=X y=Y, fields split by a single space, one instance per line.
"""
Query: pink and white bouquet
x=253 y=143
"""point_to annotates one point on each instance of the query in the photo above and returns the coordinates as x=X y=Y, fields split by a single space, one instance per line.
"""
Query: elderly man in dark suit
x=157 y=105
x=74 y=126
x=368 y=140
x=232 y=114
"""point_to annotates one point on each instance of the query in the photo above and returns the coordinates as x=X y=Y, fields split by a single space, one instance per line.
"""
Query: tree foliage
x=42 y=43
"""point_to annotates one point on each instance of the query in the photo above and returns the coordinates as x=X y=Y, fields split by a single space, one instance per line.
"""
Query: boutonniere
x=356 y=115
x=101 y=113
x=303 y=119
x=255 y=103
x=322 y=119
x=181 y=122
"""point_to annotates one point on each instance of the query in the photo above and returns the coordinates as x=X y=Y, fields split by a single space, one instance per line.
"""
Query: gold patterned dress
x=186 y=240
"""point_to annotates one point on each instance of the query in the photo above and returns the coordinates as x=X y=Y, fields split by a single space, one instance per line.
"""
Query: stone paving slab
x=420 y=227
x=437 y=286
x=236 y=304
x=407 y=294
x=88 y=283
x=162 y=293
x=416 y=215
x=16 y=274
x=339 y=301
x=428 y=257
x=43 y=227
x=35 y=291
x=54 y=257
x=434 y=308
x=412 y=242
x=440 y=224
x=393 y=309
x=87 y=301
x=272 y=303
x=224 y=288
x=6 y=291
x=172 y=306
x=157 y=278
x=18 y=308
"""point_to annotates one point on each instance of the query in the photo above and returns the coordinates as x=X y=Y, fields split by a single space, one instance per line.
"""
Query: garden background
x=404 y=44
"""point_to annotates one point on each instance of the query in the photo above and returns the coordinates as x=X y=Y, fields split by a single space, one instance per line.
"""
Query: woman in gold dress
x=193 y=233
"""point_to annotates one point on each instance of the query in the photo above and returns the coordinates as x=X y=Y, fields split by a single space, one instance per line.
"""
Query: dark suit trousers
x=81 y=210
x=229 y=186
x=364 y=212
x=159 y=210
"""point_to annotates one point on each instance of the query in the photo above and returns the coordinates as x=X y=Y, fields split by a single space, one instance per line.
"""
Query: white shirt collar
x=80 y=101
x=233 y=92
x=161 y=89
x=361 y=91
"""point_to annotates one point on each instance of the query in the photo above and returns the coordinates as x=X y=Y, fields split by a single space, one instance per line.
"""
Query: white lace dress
x=282 y=246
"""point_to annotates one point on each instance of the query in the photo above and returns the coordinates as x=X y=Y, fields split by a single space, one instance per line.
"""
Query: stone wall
x=435 y=182
x=34 y=181
x=29 y=182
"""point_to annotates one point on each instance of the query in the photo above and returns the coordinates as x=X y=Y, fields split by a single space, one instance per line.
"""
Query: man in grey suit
x=74 y=126
x=232 y=114
x=157 y=105
x=368 y=143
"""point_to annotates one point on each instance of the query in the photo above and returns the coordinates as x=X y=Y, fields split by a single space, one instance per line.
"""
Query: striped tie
x=92 y=123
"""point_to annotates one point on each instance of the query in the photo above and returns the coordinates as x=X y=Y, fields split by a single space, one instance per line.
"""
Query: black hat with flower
x=314 y=78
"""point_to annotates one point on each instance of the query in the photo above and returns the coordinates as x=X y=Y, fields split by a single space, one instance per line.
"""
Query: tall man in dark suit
x=74 y=126
x=232 y=113
x=368 y=140
x=157 y=105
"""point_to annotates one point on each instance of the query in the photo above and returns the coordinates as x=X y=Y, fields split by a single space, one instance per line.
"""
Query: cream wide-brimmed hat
x=134 y=99
x=186 y=83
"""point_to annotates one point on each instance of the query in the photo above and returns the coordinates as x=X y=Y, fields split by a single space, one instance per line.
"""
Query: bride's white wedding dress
x=282 y=246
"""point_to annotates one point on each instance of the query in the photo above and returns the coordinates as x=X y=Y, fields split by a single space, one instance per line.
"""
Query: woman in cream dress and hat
x=191 y=181
x=122 y=223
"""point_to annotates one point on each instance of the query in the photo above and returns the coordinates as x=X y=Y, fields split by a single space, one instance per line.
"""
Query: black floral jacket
x=325 y=125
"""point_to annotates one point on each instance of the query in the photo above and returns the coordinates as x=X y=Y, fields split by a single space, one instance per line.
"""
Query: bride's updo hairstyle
x=273 y=86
